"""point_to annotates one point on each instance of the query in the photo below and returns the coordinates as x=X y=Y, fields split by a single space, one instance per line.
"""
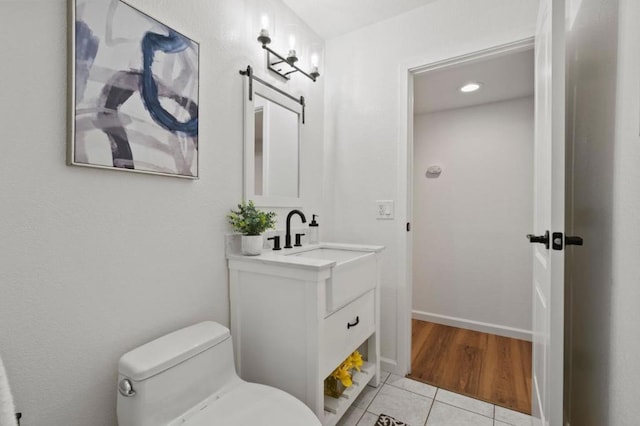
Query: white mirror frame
x=249 y=144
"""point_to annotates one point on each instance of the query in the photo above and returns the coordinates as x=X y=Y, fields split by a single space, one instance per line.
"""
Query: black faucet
x=287 y=238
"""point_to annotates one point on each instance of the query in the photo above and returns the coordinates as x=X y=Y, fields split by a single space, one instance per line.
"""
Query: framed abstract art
x=134 y=91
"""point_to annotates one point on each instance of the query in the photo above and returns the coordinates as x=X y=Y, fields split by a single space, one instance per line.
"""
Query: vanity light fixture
x=471 y=87
x=314 y=65
x=281 y=65
x=264 y=32
x=292 y=56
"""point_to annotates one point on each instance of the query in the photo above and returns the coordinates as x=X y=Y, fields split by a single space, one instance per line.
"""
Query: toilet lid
x=255 y=405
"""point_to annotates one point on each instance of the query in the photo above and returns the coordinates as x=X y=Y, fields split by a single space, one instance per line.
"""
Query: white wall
x=94 y=263
x=604 y=109
x=362 y=109
x=471 y=262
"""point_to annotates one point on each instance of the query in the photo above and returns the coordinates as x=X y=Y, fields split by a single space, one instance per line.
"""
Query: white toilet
x=189 y=378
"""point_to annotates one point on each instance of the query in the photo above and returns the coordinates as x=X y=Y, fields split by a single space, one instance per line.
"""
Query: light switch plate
x=385 y=209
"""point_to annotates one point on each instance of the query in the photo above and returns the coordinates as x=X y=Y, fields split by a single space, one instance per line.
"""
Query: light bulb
x=292 y=42
x=264 y=20
x=314 y=60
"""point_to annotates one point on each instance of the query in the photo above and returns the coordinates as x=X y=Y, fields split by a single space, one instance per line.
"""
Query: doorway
x=469 y=202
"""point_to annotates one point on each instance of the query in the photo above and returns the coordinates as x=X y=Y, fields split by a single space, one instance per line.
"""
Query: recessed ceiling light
x=470 y=87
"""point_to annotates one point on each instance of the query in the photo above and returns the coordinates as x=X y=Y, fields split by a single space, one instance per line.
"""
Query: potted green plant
x=251 y=223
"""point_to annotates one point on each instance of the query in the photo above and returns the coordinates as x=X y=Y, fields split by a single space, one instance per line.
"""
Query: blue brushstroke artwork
x=172 y=43
x=136 y=92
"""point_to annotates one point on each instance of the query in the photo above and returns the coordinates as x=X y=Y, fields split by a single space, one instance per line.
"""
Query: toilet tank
x=170 y=375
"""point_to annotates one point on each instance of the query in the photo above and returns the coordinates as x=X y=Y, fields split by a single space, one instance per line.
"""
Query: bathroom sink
x=355 y=271
x=333 y=254
x=350 y=270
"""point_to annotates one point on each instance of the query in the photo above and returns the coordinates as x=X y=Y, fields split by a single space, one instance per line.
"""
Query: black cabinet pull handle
x=349 y=325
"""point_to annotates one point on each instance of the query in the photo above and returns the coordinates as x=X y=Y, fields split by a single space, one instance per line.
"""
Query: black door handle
x=560 y=241
x=539 y=239
x=573 y=241
x=349 y=325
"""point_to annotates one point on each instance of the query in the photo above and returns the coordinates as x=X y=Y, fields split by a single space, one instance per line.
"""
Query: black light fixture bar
x=282 y=59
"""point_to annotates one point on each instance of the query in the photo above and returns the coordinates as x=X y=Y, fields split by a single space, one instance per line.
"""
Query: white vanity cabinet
x=296 y=316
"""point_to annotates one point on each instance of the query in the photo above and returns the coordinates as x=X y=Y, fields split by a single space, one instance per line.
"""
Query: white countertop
x=283 y=257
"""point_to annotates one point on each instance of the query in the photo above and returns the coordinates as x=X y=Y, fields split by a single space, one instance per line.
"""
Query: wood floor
x=492 y=368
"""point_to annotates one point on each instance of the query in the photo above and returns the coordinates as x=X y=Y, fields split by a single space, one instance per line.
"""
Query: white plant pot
x=251 y=245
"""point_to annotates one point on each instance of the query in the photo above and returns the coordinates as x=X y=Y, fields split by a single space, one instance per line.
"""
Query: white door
x=549 y=178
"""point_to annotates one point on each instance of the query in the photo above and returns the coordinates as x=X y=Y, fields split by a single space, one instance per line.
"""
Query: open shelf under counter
x=334 y=408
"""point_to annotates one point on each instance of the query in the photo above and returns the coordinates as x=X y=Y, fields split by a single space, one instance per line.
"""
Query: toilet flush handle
x=125 y=388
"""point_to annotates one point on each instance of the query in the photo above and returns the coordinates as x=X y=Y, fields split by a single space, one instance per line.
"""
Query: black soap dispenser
x=314 y=231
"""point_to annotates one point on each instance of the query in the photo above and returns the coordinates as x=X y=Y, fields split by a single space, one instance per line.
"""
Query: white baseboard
x=500 y=330
x=390 y=365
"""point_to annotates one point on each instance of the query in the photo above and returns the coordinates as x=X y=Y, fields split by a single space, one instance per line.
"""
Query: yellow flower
x=344 y=377
x=343 y=374
x=356 y=360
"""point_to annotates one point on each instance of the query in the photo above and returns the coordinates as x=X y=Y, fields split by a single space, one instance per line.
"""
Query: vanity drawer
x=345 y=330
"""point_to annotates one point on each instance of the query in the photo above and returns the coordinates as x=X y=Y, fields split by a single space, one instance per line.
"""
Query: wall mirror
x=273 y=122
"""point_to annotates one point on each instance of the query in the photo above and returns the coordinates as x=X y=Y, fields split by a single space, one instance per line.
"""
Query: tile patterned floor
x=419 y=404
